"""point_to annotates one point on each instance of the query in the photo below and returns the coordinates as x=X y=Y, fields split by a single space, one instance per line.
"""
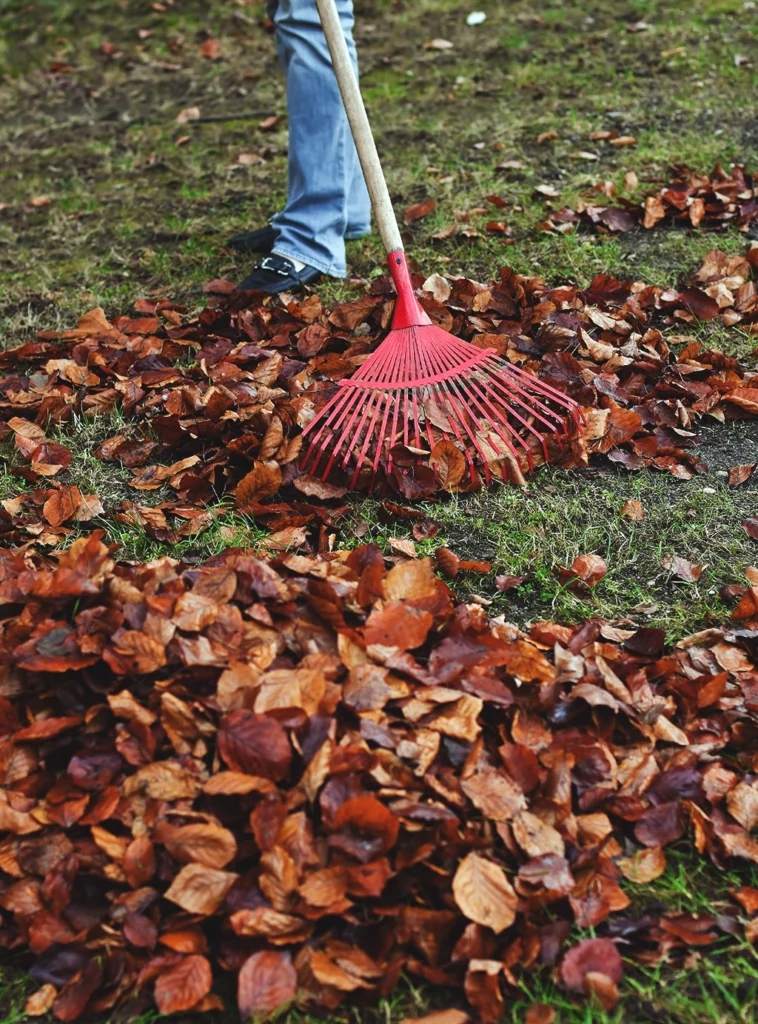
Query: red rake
x=423 y=385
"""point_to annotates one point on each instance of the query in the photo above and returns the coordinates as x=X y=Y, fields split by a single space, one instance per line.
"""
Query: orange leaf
x=183 y=985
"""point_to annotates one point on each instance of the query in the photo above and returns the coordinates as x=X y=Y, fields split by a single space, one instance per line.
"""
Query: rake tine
x=552 y=393
x=354 y=399
x=367 y=439
x=534 y=408
x=472 y=436
x=525 y=423
x=357 y=432
x=500 y=377
x=482 y=398
x=326 y=421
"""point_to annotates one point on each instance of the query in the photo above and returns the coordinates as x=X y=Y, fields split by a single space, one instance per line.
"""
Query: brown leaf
x=451 y=1016
x=621 y=426
x=438 y=287
x=745 y=398
x=211 y=49
x=590 y=569
x=263 y=480
x=590 y=956
x=448 y=562
x=742 y=802
x=484 y=894
x=739 y=474
x=311 y=341
x=200 y=890
x=268 y=124
x=397 y=625
x=470 y=565
x=40 y=1002
x=699 y=303
x=540 y=1013
x=139 y=862
x=255 y=745
x=750 y=526
x=683 y=569
x=183 y=986
x=633 y=510
x=450 y=464
x=661 y=824
x=267 y=981
x=419 y=210
x=505 y=583
x=188 y=114
x=317 y=488
x=644 y=866
x=655 y=211
x=410 y=581
x=202 y=843
x=272 y=440
x=747 y=897
x=404 y=545
x=62 y=505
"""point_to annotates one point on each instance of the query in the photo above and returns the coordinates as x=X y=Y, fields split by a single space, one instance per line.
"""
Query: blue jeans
x=327 y=199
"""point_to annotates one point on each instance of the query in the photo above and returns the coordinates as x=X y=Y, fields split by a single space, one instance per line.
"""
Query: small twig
x=251 y=115
x=241 y=16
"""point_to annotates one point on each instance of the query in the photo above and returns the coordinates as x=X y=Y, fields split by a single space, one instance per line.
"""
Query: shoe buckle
x=268 y=264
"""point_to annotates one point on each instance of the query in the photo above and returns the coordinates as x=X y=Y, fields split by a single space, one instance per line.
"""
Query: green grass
x=565 y=514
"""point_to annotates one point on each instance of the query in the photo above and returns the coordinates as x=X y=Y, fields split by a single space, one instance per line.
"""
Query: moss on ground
x=89 y=95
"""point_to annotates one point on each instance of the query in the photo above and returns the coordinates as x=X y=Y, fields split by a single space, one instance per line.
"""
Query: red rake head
x=423 y=385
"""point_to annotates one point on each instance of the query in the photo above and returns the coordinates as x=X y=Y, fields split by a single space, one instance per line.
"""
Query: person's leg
x=322 y=158
x=358 y=202
x=358 y=215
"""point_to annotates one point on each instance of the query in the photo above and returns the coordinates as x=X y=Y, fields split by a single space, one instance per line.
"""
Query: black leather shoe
x=274 y=274
x=260 y=240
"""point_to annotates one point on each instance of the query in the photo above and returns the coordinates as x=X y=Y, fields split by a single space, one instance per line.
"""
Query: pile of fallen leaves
x=300 y=777
x=216 y=403
x=712 y=201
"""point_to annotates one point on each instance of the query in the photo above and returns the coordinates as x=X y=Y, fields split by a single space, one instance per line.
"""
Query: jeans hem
x=325 y=268
x=352 y=236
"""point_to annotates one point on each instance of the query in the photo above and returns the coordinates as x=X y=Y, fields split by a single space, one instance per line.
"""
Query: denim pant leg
x=323 y=194
x=358 y=205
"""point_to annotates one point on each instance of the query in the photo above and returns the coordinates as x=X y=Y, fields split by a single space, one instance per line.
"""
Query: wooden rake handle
x=359 y=126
